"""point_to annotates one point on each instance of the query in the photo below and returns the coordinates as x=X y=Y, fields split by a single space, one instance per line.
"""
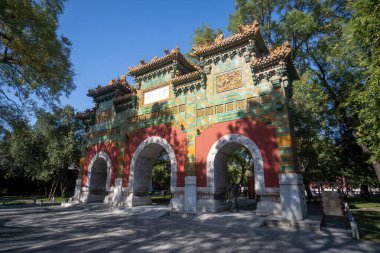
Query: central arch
x=141 y=169
x=216 y=166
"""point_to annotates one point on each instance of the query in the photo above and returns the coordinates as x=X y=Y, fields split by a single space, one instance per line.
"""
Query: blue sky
x=109 y=36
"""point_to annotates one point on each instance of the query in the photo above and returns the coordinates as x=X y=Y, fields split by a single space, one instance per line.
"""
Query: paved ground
x=92 y=229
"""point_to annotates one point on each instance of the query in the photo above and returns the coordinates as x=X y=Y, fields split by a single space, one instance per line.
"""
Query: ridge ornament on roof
x=246 y=32
x=114 y=88
x=156 y=62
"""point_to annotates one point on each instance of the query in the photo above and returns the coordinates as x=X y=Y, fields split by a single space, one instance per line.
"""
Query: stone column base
x=115 y=198
x=293 y=201
x=211 y=205
x=78 y=185
x=176 y=202
x=84 y=192
x=190 y=200
x=92 y=198
x=208 y=201
x=137 y=199
x=269 y=202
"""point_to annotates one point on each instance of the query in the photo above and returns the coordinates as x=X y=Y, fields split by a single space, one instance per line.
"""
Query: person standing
x=233 y=191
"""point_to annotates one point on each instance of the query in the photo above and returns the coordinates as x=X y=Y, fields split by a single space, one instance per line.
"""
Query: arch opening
x=217 y=170
x=98 y=181
x=234 y=173
x=149 y=155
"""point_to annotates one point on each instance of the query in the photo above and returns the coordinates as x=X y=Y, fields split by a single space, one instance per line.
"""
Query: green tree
x=60 y=130
x=161 y=172
x=239 y=165
x=205 y=34
x=46 y=150
x=361 y=45
x=247 y=11
x=34 y=60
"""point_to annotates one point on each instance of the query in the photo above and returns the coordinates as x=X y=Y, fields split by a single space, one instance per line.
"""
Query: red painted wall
x=112 y=151
x=175 y=137
x=264 y=136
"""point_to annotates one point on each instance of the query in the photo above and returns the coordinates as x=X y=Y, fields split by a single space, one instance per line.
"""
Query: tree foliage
x=45 y=151
x=247 y=11
x=362 y=43
x=161 y=172
x=205 y=34
x=239 y=166
x=35 y=66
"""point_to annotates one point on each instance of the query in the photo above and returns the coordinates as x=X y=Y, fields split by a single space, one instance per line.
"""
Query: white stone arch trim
x=106 y=157
x=252 y=148
x=172 y=157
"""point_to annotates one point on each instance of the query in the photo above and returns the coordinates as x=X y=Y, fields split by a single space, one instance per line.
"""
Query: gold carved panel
x=201 y=112
x=104 y=116
x=219 y=108
x=174 y=109
x=229 y=81
x=240 y=104
x=229 y=107
x=210 y=111
x=182 y=108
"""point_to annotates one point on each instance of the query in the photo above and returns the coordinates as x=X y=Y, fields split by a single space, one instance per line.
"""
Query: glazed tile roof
x=85 y=115
x=245 y=32
x=187 y=77
x=155 y=62
x=282 y=53
x=120 y=84
x=124 y=99
x=276 y=55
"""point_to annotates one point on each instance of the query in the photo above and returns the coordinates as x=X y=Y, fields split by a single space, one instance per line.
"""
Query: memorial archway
x=235 y=95
x=217 y=159
x=99 y=177
x=142 y=165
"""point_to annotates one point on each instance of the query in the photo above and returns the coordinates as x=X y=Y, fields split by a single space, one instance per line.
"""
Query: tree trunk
x=51 y=189
x=63 y=188
x=308 y=193
x=54 y=190
x=365 y=150
x=376 y=166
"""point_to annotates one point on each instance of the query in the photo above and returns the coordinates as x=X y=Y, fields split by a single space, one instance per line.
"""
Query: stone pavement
x=149 y=229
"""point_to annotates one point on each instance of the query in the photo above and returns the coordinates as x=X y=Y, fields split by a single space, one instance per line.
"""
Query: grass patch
x=161 y=200
x=25 y=200
x=367 y=216
x=360 y=203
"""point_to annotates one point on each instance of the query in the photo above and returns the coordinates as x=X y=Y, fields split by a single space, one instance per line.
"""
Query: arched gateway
x=235 y=96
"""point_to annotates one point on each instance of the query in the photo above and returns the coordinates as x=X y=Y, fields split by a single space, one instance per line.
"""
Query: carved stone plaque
x=156 y=95
x=229 y=81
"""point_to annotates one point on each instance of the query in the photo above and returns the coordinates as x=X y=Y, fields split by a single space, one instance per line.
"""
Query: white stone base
x=269 y=203
x=86 y=197
x=209 y=201
x=190 y=201
x=117 y=192
x=91 y=198
x=138 y=199
x=211 y=205
x=176 y=202
x=293 y=201
x=78 y=184
x=84 y=192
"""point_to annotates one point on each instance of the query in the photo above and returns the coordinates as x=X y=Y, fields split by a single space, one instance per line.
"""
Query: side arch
x=251 y=147
x=111 y=149
x=106 y=157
